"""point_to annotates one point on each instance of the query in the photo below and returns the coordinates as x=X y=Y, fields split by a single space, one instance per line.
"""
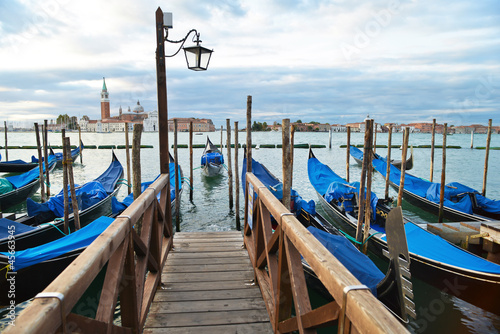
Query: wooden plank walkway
x=207 y=287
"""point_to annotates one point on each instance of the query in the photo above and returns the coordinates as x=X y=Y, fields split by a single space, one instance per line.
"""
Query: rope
x=225 y=166
x=125 y=184
x=6 y=267
x=57 y=228
x=356 y=241
x=197 y=167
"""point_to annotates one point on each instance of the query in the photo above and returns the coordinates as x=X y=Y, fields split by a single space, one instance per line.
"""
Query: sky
x=310 y=60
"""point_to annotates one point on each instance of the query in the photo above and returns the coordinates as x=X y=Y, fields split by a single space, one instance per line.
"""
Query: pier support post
x=229 y=164
x=127 y=153
x=191 y=161
x=136 y=168
x=176 y=164
x=236 y=178
x=443 y=176
x=285 y=125
x=248 y=152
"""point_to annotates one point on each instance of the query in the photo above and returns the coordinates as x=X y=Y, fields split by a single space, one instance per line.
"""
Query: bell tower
x=105 y=113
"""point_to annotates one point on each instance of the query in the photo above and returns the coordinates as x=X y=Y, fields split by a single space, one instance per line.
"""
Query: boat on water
x=212 y=160
x=16 y=189
x=33 y=269
x=42 y=223
x=119 y=206
x=432 y=259
x=59 y=155
x=461 y=203
x=357 y=155
x=393 y=289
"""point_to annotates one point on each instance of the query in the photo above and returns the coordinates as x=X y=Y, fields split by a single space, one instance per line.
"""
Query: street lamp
x=197 y=58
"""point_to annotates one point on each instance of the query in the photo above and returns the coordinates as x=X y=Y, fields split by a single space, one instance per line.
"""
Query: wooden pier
x=208 y=287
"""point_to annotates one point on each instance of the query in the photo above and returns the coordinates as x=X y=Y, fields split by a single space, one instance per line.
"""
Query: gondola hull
x=211 y=169
x=16 y=167
x=19 y=195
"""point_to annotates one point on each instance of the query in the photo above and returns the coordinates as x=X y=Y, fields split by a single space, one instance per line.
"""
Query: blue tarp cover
x=358 y=154
x=331 y=186
x=7 y=225
x=214 y=157
x=78 y=239
x=431 y=191
x=21 y=180
x=271 y=182
x=431 y=246
x=118 y=206
x=356 y=262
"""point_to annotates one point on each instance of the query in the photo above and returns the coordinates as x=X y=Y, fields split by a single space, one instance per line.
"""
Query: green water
x=209 y=211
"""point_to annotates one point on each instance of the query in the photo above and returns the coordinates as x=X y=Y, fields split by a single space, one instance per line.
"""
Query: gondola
x=357 y=155
x=42 y=225
x=74 y=154
x=432 y=259
x=17 y=188
x=392 y=289
x=119 y=206
x=20 y=166
x=212 y=160
x=31 y=270
x=461 y=203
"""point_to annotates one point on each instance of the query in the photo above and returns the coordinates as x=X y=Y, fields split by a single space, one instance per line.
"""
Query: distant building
x=199 y=124
x=109 y=123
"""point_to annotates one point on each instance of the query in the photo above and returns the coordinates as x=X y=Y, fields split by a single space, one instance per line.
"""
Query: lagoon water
x=437 y=312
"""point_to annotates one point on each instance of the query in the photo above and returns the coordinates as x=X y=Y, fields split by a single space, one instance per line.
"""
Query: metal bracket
x=347 y=289
x=60 y=297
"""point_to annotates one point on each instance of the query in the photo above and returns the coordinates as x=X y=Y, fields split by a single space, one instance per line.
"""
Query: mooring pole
x=406 y=138
x=472 y=139
x=40 y=163
x=443 y=176
x=221 y=135
x=46 y=155
x=191 y=161
x=330 y=138
x=127 y=152
x=136 y=169
x=229 y=163
x=285 y=126
x=364 y=167
x=292 y=140
x=374 y=131
x=80 y=143
x=432 y=148
x=248 y=154
x=65 y=186
x=388 y=170
x=236 y=178
x=348 y=153
x=488 y=141
x=369 y=169
x=69 y=169
x=6 y=150
x=176 y=164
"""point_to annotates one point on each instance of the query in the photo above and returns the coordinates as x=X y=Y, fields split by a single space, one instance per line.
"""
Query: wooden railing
x=133 y=273
x=276 y=258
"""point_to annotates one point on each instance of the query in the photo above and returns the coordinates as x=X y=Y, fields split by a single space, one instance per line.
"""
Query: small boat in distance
x=212 y=159
x=357 y=154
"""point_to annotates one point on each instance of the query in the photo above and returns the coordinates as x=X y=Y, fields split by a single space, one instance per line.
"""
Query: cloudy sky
x=313 y=60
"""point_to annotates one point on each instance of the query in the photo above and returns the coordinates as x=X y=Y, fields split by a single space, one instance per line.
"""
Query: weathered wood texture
x=207 y=287
x=276 y=260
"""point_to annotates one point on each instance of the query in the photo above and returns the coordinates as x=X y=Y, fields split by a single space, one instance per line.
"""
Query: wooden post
x=46 y=155
x=374 y=138
x=348 y=153
x=229 y=164
x=406 y=137
x=285 y=126
x=80 y=143
x=361 y=197
x=369 y=169
x=176 y=165
x=488 y=141
x=248 y=154
x=6 y=150
x=221 y=135
x=443 y=176
x=236 y=178
x=432 y=148
x=388 y=171
x=136 y=168
x=40 y=163
x=191 y=161
x=69 y=169
x=127 y=152
x=65 y=186
x=330 y=138
x=472 y=139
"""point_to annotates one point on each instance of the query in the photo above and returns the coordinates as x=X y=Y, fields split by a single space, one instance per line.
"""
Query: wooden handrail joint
x=346 y=290
x=59 y=296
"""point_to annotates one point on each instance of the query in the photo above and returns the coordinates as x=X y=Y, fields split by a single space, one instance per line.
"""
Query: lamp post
x=197 y=58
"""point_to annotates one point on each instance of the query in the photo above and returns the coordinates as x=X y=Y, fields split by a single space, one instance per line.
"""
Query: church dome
x=138 y=108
